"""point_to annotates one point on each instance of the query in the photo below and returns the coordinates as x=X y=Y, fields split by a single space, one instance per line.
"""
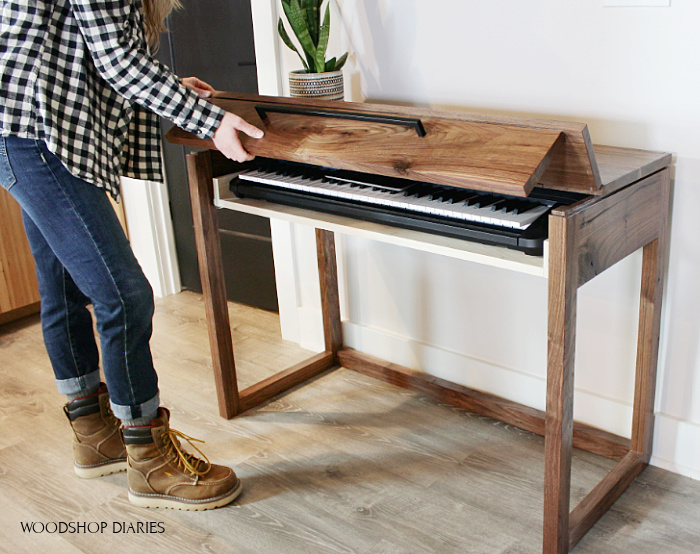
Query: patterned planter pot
x=321 y=86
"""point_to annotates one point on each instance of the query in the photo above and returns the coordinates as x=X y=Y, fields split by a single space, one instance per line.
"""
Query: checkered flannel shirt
x=77 y=74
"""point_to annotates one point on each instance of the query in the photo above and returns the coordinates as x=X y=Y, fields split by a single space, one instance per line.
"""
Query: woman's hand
x=226 y=137
x=205 y=90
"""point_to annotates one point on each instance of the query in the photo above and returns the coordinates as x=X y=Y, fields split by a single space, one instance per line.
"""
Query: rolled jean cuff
x=148 y=408
x=82 y=383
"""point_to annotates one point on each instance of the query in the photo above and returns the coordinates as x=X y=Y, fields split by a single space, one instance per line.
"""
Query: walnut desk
x=624 y=207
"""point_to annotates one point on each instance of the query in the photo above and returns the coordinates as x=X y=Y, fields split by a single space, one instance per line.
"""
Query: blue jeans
x=83 y=257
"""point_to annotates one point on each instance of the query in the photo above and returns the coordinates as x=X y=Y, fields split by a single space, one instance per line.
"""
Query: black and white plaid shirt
x=77 y=74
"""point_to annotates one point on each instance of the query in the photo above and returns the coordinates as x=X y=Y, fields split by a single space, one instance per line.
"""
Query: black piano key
x=495 y=206
x=459 y=196
x=482 y=200
x=468 y=198
x=410 y=190
x=524 y=206
x=445 y=195
x=474 y=201
x=512 y=206
x=423 y=191
x=436 y=193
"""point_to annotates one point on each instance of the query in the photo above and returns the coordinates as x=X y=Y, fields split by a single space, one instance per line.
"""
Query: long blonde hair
x=155 y=12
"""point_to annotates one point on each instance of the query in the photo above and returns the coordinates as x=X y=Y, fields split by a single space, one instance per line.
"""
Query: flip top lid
x=505 y=155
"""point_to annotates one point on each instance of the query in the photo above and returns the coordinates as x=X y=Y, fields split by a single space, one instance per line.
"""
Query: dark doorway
x=213 y=40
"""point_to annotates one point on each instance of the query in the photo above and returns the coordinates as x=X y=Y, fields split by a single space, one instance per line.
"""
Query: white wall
x=632 y=75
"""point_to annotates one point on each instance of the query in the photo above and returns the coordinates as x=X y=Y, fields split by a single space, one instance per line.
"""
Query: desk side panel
x=609 y=229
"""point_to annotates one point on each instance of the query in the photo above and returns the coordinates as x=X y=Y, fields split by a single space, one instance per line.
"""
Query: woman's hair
x=155 y=12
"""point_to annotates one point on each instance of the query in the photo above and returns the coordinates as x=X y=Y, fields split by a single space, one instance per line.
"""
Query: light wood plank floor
x=344 y=464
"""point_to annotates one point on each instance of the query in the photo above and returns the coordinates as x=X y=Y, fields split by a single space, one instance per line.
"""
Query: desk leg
x=563 y=285
x=211 y=271
x=653 y=265
x=330 y=303
x=653 y=274
x=298 y=374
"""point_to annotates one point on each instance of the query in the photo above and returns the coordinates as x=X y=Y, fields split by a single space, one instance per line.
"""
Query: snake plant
x=304 y=17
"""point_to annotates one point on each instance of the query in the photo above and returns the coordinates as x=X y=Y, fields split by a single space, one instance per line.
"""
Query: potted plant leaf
x=320 y=78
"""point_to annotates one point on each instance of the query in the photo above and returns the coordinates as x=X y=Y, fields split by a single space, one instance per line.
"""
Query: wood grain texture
x=460 y=154
x=572 y=168
x=603 y=496
x=611 y=228
x=576 y=164
x=330 y=300
x=654 y=263
x=18 y=285
x=507 y=155
x=620 y=167
x=19 y=313
x=211 y=270
x=561 y=340
x=278 y=383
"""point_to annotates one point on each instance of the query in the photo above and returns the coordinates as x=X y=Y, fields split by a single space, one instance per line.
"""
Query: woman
x=80 y=99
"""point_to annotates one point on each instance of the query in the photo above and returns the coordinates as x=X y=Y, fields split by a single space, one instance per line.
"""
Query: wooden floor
x=344 y=464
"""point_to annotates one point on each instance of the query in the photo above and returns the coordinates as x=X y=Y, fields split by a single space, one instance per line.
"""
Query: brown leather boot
x=98 y=448
x=162 y=475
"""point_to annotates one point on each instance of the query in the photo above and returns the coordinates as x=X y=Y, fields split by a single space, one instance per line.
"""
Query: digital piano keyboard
x=504 y=220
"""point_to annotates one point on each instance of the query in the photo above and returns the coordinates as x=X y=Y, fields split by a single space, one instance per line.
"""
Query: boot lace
x=185 y=460
x=111 y=418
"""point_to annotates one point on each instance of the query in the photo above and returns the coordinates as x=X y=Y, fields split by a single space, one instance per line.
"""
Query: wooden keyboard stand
x=584 y=240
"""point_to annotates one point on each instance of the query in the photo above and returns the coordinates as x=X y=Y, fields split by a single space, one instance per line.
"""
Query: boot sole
x=90 y=472
x=174 y=503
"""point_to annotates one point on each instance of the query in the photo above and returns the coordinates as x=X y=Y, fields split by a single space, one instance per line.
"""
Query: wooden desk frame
x=585 y=240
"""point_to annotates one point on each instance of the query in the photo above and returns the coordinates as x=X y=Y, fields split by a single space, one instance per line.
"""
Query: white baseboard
x=677 y=446
x=676 y=442
x=613 y=415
